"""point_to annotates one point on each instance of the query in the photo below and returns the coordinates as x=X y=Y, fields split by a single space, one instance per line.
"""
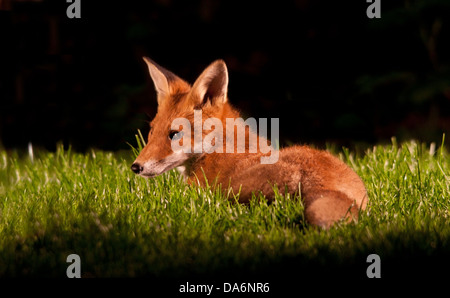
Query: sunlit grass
x=120 y=224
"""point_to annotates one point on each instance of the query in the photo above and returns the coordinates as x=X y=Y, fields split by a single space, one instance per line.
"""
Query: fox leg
x=322 y=207
x=325 y=207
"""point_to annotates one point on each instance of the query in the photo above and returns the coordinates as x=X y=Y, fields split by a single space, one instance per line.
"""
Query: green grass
x=122 y=225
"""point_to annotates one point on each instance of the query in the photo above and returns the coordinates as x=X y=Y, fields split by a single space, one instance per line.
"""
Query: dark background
x=324 y=68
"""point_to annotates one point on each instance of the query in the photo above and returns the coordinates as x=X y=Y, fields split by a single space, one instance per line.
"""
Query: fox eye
x=175 y=135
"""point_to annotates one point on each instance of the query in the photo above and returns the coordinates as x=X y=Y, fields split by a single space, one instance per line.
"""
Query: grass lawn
x=122 y=225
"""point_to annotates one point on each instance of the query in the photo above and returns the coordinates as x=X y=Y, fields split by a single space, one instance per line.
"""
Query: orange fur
x=331 y=191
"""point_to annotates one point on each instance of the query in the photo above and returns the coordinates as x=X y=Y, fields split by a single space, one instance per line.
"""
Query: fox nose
x=136 y=168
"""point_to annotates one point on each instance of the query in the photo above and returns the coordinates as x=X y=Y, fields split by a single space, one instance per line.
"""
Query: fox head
x=178 y=99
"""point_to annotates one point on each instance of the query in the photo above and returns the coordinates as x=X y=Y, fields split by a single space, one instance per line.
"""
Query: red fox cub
x=216 y=154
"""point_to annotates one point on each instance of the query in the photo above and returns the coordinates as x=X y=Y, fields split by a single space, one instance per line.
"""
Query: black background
x=324 y=68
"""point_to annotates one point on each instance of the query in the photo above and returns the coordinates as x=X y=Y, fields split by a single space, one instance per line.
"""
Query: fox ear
x=212 y=85
x=166 y=83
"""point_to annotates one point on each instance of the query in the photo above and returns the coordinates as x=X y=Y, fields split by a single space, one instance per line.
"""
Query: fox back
x=191 y=132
